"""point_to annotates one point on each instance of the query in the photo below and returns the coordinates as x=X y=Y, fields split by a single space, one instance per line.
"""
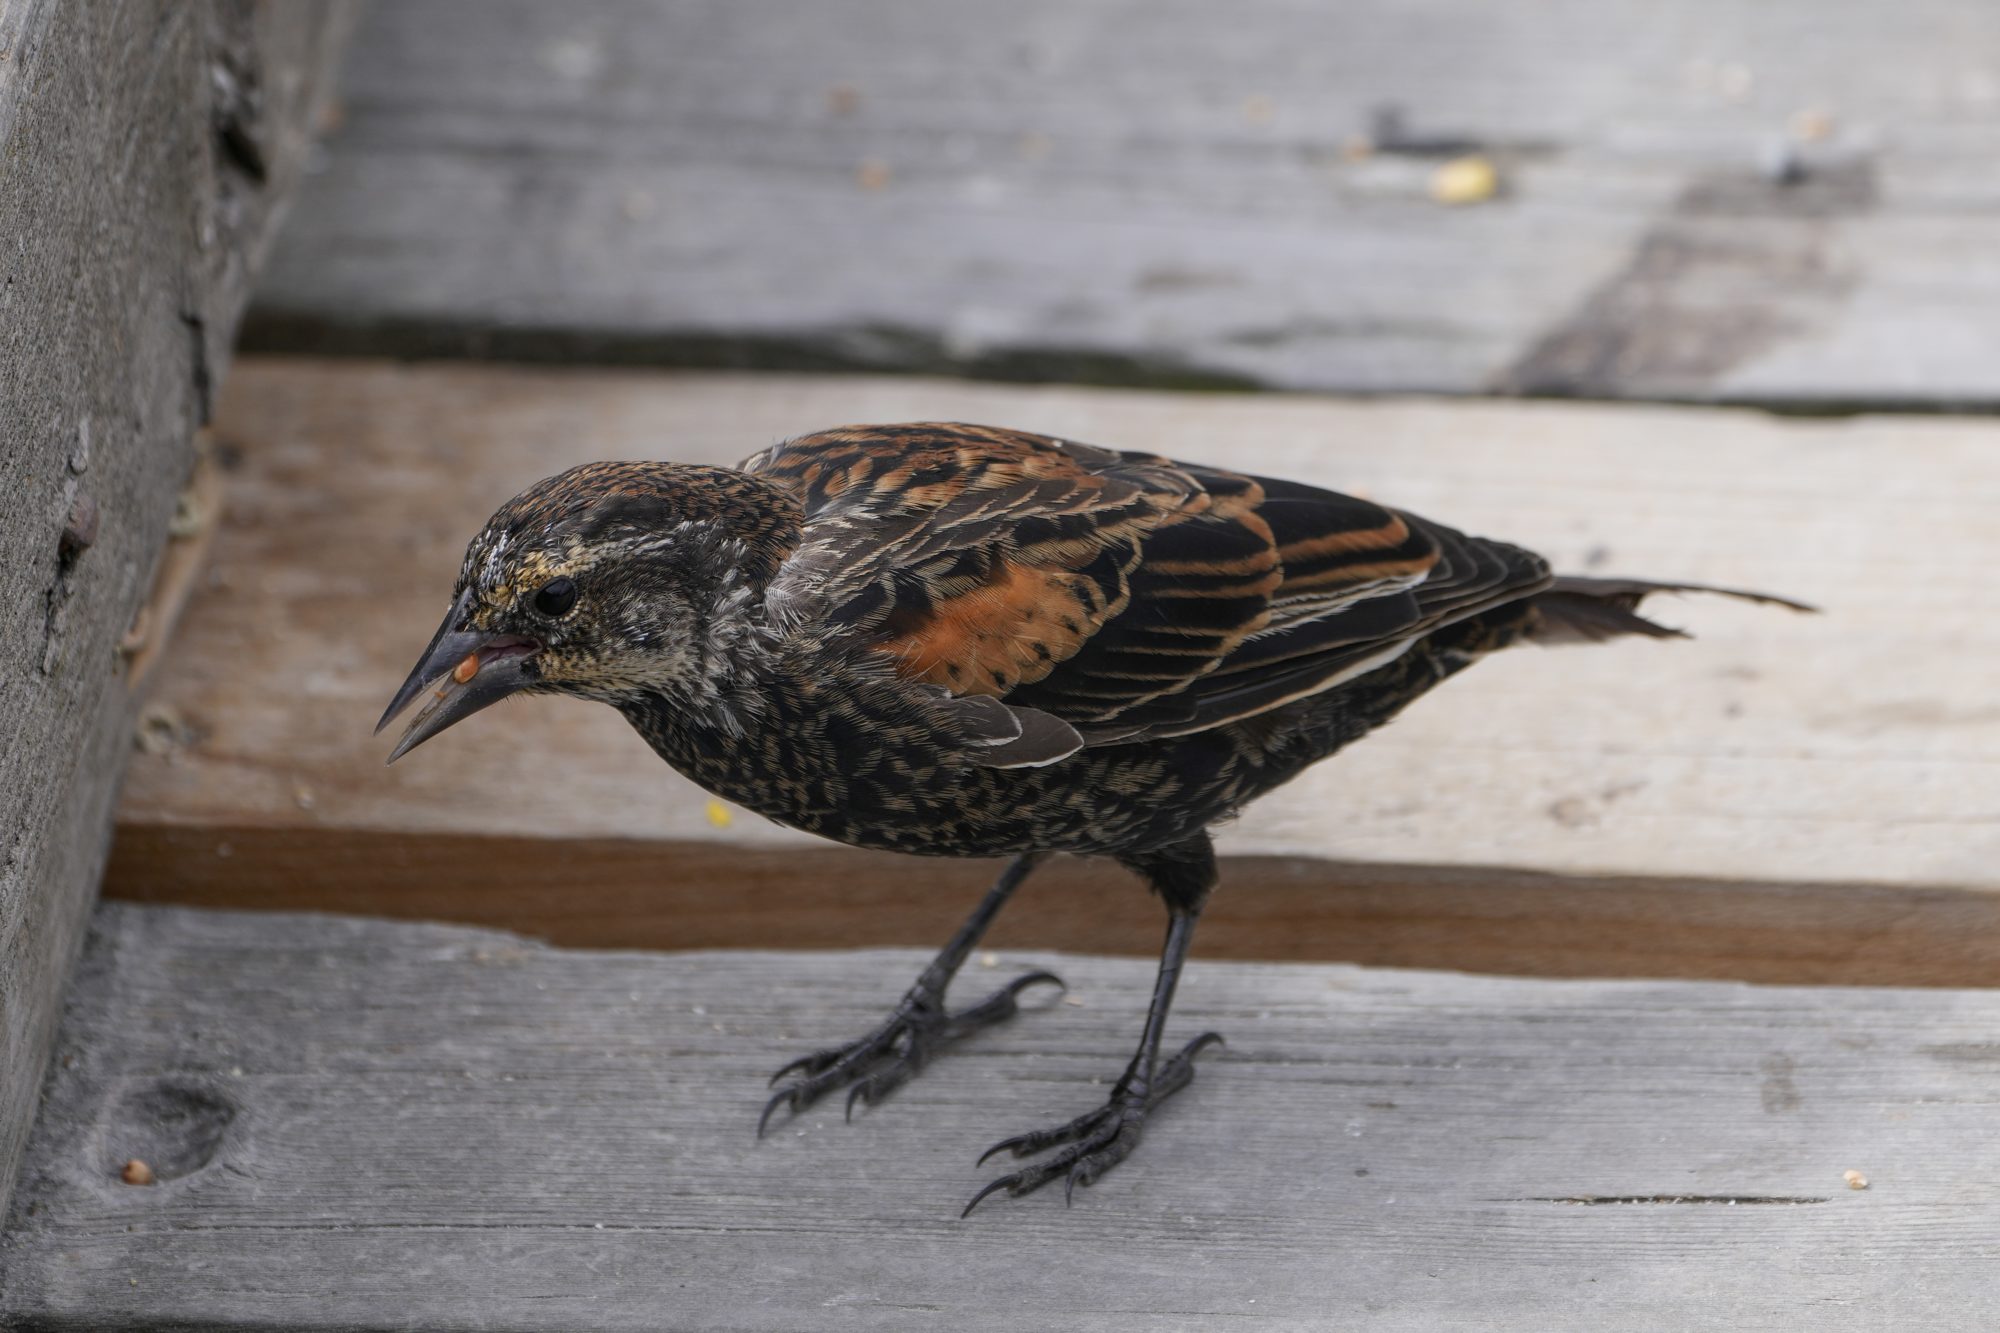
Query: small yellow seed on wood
x=1812 y=125
x=1855 y=1180
x=467 y=668
x=136 y=1172
x=1465 y=180
x=719 y=814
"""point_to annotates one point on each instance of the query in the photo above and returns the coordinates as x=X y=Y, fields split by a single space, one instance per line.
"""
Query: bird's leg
x=896 y=1052
x=1100 y=1139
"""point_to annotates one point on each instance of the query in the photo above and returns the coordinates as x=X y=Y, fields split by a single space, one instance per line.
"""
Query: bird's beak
x=469 y=670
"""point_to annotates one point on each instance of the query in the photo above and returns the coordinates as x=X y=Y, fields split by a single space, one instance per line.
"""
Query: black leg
x=896 y=1052
x=1100 y=1139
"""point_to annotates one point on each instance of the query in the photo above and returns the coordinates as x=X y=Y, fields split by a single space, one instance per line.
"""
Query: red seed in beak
x=467 y=668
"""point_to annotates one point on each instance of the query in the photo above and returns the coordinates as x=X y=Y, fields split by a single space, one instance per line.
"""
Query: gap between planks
x=1784 y=799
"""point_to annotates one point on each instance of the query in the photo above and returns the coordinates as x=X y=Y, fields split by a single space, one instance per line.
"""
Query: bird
x=956 y=640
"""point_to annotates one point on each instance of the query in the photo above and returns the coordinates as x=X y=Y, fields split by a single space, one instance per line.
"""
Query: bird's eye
x=556 y=598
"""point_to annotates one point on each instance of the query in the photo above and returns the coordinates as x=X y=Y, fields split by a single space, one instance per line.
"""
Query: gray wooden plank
x=374 y=1125
x=1168 y=192
x=147 y=150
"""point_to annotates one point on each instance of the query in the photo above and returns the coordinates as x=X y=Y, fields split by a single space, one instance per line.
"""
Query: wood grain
x=363 y=1125
x=146 y=151
x=1783 y=202
x=1786 y=798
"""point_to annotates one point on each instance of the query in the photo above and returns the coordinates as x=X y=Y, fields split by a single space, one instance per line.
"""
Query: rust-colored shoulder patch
x=1014 y=628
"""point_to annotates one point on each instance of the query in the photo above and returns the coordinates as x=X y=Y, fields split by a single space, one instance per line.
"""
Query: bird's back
x=1110 y=598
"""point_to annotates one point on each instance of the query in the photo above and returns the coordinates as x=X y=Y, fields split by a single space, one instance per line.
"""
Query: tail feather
x=1576 y=609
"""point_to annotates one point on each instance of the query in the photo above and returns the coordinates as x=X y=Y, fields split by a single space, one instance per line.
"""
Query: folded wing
x=1103 y=597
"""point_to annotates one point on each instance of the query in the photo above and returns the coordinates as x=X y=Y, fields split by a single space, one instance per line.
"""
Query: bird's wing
x=1098 y=596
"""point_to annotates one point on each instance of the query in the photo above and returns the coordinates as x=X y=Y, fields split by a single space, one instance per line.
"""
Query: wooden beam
x=1707 y=201
x=148 y=149
x=662 y=893
x=1783 y=799
x=366 y=1125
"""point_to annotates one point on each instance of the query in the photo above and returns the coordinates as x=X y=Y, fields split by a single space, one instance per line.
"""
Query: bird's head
x=610 y=581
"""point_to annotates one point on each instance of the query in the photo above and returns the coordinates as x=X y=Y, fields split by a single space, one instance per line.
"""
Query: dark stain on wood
x=1742 y=262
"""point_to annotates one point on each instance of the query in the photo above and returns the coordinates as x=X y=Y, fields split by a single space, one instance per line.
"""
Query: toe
x=1091 y=1165
x=783 y=1097
x=887 y=1058
x=1012 y=1145
x=1041 y=1140
x=1178 y=1072
x=1000 y=1006
x=810 y=1064
x=991 y=1187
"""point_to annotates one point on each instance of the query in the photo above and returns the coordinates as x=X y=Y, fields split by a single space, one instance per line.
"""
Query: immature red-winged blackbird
x=961 y=641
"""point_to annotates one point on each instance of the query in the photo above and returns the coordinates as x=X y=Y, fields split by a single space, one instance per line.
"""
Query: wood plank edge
x=284 y=333
x=633 y=893
x=277 y=331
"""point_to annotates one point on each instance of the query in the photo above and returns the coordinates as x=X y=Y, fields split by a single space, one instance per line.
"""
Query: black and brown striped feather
x=1127 y=595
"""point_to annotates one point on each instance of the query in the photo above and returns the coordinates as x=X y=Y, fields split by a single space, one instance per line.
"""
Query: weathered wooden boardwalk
x=432 y=1081
x=370 y=1125
x=391 y=1124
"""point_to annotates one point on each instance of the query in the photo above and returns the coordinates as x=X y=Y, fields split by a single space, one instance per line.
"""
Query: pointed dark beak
x=464 y=670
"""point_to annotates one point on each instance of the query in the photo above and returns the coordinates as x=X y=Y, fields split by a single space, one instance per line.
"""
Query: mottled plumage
x=956 y=640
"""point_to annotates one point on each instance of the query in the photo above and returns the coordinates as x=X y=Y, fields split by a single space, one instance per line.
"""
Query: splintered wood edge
x=198 y=513
x=629 y=893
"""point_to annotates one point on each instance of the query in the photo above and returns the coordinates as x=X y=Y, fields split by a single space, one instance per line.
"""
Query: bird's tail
x=1575 y=609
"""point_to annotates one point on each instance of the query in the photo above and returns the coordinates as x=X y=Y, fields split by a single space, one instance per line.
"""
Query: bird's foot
x=893 y=1054
x=1096 y=1141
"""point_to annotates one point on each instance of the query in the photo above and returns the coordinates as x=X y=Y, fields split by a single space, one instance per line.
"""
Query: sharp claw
x=1003 y=1146
x=1178 y=1072
x=804 y=1062
x=859 y=1094
x=991 y=1187
x=790 y=1095
x=1069 y=1188
x=1019 y=984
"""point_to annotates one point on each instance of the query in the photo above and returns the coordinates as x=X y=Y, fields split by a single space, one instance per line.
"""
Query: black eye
x=556 y=598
